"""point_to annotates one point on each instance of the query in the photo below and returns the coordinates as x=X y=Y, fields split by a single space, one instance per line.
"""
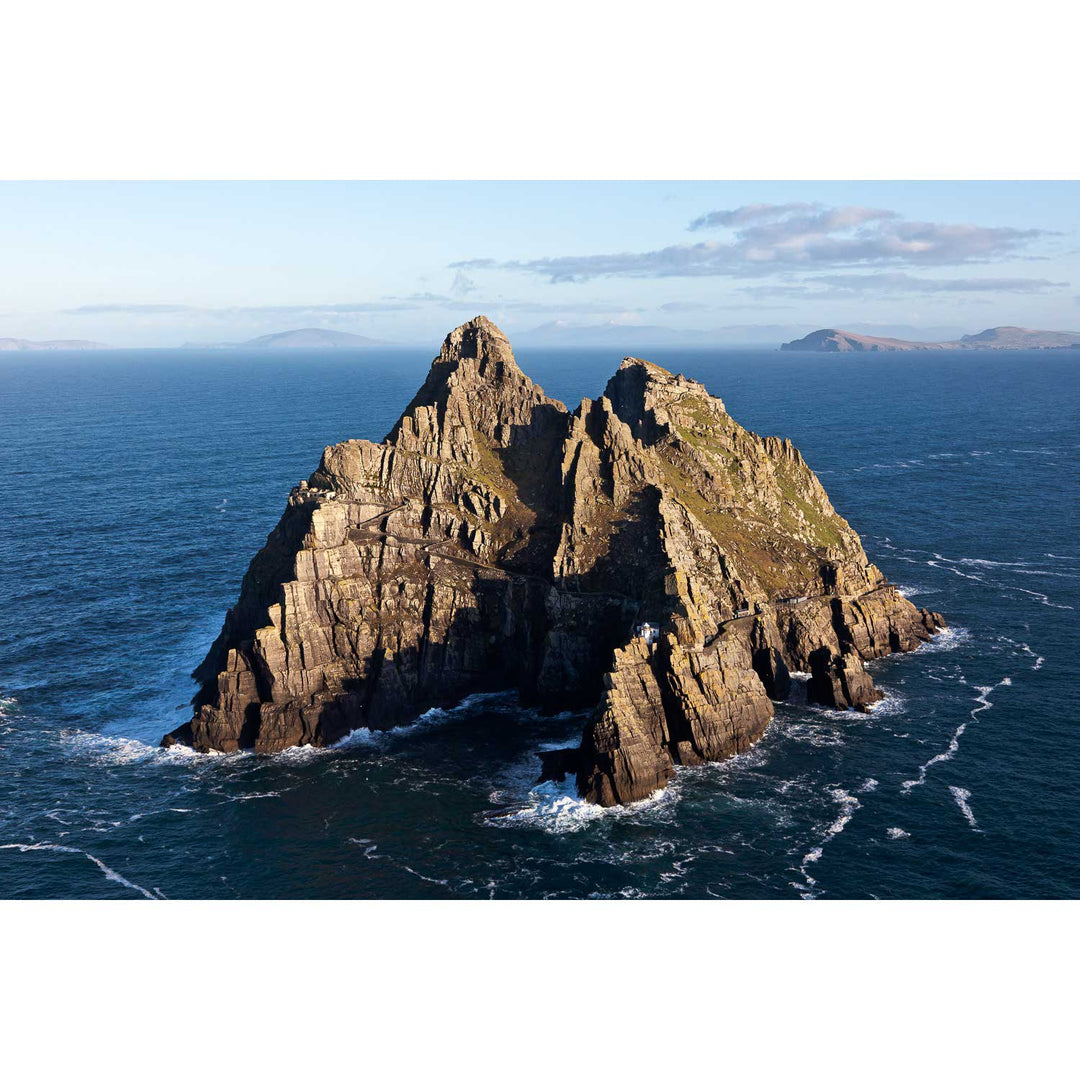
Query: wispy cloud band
x=228 y=312
x=767 y=239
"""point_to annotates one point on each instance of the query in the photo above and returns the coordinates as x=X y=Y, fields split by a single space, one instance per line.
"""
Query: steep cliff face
x=495 y=541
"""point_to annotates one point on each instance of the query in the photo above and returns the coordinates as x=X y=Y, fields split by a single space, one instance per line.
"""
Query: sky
x=164 y=264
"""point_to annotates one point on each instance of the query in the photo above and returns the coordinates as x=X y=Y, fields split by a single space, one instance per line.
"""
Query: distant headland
x=10 y=344
x=998 y=337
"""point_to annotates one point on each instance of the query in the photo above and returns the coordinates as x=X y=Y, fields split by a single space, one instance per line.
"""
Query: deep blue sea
x=138 y=485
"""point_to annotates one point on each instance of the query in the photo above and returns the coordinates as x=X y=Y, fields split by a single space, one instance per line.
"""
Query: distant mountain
x=1017 y=337
x=844 y=341
x=903 y=331
x=998 y=337
x=11 y=344
x=308 y=338
x=744 y=335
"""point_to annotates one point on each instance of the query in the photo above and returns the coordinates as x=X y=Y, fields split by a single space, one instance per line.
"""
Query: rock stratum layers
x=643 y=556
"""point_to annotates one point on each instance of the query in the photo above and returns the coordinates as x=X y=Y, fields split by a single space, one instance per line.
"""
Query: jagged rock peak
x=644 y=394
x=475 y=385
x=482 y=341
x=652 y=380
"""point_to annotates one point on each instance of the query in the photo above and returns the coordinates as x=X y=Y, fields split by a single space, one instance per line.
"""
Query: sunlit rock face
x=643 y=557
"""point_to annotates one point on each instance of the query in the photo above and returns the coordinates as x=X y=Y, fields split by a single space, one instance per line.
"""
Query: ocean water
x=138 y=485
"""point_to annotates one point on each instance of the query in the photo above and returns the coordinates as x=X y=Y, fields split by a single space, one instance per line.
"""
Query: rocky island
x=997 y=337
x=10 y=344
x=642 y=557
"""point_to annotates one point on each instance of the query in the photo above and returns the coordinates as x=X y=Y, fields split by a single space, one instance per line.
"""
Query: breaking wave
x=982 y=704
x=848 y=805
x=892 y=704
x=961 y=795
x=108 y=871
x=556 y=807
x=908 y=591
x=945 y=640
x=125 y=750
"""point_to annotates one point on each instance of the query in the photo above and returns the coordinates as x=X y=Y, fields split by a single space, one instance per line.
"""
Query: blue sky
x=166 y=263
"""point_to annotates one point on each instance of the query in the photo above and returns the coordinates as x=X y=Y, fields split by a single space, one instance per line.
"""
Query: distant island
x=308 y=338
x=11 y=344
x=998 y=337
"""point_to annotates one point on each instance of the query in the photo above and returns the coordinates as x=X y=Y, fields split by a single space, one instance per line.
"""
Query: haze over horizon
x=161 y=264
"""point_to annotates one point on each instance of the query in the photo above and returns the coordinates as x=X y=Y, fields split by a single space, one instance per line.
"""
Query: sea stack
x=643 y=557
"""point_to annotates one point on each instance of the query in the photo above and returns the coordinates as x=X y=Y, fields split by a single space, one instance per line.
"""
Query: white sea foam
x=945 y=640
x=868 y=785
x=424 y=877
x=382 y=738
x=1028 y=651
x=937 y=759
x=123 y=750
x=897 y=834
x=303 y=755
x=961 y=795
x=105 y=749
x=940 y=562
x=108 y=871
x=813 y=734
x=555 y=806
x=368 y=845
x=1040 y=597
x=991 y=563
x=109 y=749
x=892 y=704
x=982 y=703
x=848 y=805
x=908 y=591
x=165 y=810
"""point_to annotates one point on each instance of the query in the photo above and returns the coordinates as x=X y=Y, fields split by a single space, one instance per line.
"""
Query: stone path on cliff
x=724 y=624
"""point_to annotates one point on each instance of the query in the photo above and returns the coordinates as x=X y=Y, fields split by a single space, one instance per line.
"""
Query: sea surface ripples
x=141 y=483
